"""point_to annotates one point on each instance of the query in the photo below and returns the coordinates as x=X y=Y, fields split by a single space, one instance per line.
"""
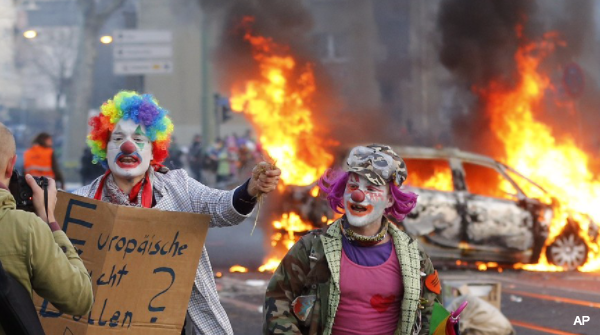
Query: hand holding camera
x=39 y=205
x=29 y=195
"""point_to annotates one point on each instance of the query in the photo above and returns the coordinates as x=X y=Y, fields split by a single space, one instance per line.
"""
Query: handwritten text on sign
x=142 y=263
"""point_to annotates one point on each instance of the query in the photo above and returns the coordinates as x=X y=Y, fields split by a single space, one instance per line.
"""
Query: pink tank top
x=371 y=298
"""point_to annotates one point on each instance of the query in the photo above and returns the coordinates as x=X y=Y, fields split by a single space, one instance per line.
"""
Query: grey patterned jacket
x=176 y=191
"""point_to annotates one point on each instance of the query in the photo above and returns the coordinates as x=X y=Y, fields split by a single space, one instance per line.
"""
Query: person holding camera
x=33 y=248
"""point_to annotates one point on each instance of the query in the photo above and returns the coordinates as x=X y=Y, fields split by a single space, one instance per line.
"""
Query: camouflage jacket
x=304 y=292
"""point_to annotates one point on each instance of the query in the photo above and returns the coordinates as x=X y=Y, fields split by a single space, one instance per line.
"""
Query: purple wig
x=333 y=183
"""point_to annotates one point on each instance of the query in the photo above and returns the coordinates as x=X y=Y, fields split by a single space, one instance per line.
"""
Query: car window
x=432 y=174
x=530 y=189
x=488 y=182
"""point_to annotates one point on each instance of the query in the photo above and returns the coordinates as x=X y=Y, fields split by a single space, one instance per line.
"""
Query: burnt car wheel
x=568 y=250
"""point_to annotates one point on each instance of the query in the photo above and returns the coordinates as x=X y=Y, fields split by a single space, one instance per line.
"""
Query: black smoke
x=478 y=43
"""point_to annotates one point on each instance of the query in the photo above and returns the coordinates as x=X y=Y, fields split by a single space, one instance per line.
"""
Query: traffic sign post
x=139 y=67
x=150 y=51
x=143 y=36
x=140 y=52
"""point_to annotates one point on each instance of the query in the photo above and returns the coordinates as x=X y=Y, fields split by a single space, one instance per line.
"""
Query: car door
x=435 y=216
x=493 y=215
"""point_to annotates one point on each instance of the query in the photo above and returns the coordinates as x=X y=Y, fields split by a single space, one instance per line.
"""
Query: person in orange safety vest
x=39 y=160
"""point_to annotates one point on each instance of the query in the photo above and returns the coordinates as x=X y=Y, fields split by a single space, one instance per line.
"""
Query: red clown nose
x=357 y=196
x=128 y=148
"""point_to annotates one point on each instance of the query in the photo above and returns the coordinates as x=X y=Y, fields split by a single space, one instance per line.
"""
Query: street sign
x=142 y=36
x=143 y=51
x=142 y=67
x=139 y=52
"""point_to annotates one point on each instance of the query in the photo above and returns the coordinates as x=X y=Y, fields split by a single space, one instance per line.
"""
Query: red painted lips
x=359 y=210
x=128 y=162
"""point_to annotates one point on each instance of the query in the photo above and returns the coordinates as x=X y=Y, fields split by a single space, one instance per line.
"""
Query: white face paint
x=375 y=200
x=129 y=151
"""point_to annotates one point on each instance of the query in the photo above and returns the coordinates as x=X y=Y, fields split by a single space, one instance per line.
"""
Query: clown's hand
x=265 y=178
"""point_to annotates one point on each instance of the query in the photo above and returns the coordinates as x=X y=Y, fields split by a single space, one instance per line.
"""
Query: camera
x=22 y=192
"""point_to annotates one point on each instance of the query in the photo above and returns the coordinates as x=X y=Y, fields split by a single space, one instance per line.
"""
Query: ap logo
x=581 y=320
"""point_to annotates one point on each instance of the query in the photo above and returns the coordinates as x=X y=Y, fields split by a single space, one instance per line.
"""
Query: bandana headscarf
x=378 y=163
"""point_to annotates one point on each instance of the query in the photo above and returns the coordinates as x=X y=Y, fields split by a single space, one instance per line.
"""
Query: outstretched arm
x=232 y=207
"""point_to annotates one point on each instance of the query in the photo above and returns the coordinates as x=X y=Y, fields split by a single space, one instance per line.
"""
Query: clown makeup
x=129 y=151
x=365 y=202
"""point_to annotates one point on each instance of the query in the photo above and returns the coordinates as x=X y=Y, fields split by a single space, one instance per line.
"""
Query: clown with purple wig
x=362 y=274
x=130 y=138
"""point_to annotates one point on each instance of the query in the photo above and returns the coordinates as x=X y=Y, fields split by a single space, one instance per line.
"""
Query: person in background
x=131 y=138
x=362 y=274
x=233 y=155
x=220 y=155
x=175 y=154
x=40 y=161
x=33 y=248
x=195 y=157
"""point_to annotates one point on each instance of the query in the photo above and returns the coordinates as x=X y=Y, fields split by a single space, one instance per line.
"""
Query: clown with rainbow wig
x=130 y=138
x=360 y=275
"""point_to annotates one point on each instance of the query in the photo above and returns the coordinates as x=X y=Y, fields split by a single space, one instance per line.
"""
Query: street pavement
x=535 y=303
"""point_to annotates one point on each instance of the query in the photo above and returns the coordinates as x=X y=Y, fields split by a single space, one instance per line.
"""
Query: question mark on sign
x=161 y=308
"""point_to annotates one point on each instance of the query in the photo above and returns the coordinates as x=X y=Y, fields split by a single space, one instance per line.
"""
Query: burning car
x=472 y=207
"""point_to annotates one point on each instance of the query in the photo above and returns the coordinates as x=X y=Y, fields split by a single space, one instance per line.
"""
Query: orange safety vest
x=38 y=161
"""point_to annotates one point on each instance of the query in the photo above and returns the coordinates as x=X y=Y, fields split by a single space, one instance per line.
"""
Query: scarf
x=140 y=195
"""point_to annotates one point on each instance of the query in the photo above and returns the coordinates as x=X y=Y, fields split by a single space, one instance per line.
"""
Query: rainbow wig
x=142 y=109
x=333 y=183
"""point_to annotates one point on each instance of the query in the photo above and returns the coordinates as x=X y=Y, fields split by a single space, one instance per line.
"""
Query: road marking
x=553 y=287
x=554 y=298
x=540 y=328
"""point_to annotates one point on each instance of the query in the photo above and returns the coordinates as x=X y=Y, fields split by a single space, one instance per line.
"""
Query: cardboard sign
x=142 y=263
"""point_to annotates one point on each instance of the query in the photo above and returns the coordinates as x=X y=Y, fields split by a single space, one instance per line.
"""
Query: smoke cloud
x=291 y=24
x=478 y=43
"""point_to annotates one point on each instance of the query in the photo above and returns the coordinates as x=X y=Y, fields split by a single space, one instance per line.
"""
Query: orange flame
x=278 y=104
x=314 y=192
x=291 y=223
x=534 y=149
x=482 y=266
x=434 y=175
x=441 y=181
x=238 y=268
x=270 y=265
